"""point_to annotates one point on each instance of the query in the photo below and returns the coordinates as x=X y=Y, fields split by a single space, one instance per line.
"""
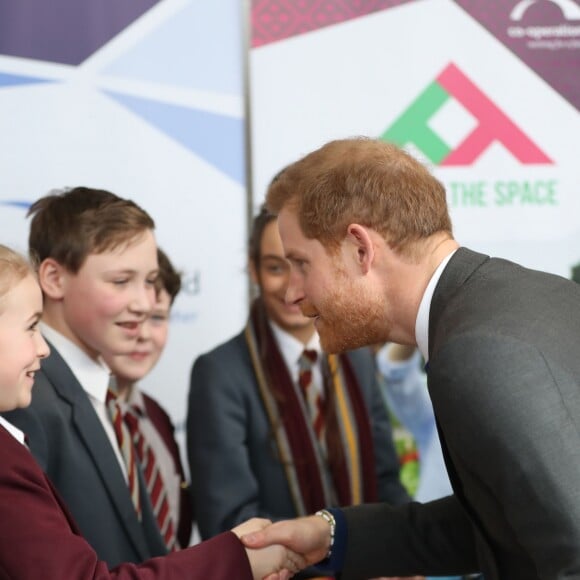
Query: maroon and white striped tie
x=153 y=478
x=312 y=395
x=125 y=446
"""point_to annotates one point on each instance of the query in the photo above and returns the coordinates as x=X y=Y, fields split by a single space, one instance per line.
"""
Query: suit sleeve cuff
x=335 y=562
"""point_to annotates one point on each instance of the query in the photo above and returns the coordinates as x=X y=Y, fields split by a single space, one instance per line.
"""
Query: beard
x=349 y=318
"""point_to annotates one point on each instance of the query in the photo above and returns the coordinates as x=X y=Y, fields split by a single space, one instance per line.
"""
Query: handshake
x=280 y=550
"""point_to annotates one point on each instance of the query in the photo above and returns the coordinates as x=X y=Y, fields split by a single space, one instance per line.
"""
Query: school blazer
x=236 y=470
x=68 y=441
x=39 y=538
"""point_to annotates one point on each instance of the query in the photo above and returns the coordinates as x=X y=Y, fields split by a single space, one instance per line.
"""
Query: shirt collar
x=135 y=399
x=422 y=322
x=290 y=347
x=92 y=375
x=14 y=431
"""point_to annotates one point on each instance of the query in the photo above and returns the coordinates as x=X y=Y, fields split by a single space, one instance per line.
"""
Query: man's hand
x=307 y=540
x=272 y=561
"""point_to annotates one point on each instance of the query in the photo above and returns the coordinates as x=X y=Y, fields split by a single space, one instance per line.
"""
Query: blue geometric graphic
x=218 y=139
x=17 y=204
x=200 y=47
x=9 y=80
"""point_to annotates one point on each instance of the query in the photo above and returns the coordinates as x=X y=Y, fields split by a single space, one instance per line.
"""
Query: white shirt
x=291 y=350
x=93 y=377
x=422 y=322
x=14 y=431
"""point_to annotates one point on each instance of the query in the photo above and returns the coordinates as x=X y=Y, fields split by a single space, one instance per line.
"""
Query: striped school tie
x=153 y=478
x=125 y=445
x=312 y=395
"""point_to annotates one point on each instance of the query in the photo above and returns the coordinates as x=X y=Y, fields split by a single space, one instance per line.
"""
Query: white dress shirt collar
x=422 y=322
x=291 y=348
x=134 y=398
x=92 y=375
x=14 y=431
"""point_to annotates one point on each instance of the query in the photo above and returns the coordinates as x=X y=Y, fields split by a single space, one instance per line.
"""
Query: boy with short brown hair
x=97 y=267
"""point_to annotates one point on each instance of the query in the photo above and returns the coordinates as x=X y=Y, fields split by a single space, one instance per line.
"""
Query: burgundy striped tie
x=312 y=395
x=153 y=478
x=125 y=446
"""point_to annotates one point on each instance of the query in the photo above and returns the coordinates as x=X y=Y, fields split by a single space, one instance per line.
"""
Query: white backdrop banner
x=486 y=93
x=145 y=99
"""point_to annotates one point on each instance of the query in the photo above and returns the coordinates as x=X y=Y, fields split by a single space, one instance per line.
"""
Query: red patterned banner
x=274 y=20
x=544 y=34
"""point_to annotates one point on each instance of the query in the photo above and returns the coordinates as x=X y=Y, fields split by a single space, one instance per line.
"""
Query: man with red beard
x=366 y=230
x=255 y=443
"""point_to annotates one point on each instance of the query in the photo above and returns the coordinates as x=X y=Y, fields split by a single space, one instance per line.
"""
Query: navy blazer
x=236 y=470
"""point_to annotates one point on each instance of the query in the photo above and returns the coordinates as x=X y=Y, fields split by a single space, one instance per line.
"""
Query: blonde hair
x=13 y=268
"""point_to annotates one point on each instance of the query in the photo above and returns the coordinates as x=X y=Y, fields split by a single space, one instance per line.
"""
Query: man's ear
x=51 y=277
x=360 y=237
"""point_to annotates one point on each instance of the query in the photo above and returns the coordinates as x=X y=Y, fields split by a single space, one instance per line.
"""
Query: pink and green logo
x=492 y=125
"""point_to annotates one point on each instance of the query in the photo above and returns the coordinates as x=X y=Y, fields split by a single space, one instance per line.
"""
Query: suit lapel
x=458 y=271
x=70 y=519
x=94 y=437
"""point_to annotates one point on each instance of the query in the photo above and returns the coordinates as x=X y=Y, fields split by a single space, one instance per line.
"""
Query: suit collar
x=291 y=350
x=459 y=269
x=135 y=399
x=422 y=322
x=61 y=376
x=93 y=376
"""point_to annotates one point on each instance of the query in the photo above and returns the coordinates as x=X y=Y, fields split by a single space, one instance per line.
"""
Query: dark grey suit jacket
x=504 y=377
x=70 y=444
x=236 y=472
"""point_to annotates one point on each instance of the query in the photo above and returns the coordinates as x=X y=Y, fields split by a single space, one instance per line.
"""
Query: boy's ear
x=51 y=278
x=360 y=238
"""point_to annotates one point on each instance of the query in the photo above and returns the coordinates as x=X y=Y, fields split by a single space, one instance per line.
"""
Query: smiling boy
x=151 y=427
x=97 y=267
